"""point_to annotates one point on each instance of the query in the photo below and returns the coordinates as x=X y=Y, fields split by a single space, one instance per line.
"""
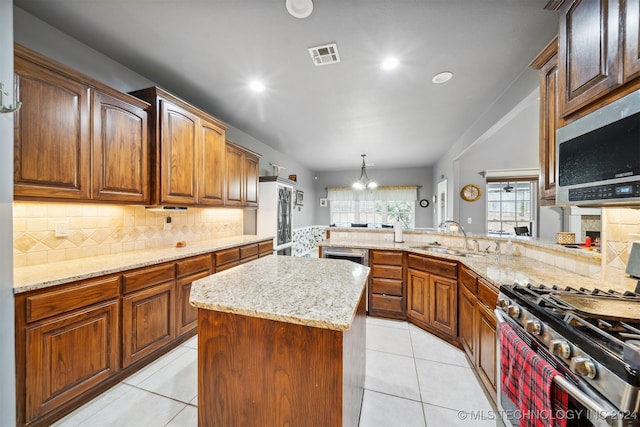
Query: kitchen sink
x=448 y=251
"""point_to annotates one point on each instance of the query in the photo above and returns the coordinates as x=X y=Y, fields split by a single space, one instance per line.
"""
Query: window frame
x=532 y=222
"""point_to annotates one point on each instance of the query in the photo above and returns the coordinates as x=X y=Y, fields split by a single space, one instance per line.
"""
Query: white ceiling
x=324 y=117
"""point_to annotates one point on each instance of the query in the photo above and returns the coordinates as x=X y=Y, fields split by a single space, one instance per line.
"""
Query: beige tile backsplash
x=620 y=228
x=106 y=229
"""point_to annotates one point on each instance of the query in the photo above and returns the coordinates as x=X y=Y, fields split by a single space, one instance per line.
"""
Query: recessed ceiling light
x=256 y=86
x=389 y=64
x=442 y=77
x=299 y=8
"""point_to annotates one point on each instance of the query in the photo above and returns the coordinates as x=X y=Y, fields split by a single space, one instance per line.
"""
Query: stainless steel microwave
x=598 y=156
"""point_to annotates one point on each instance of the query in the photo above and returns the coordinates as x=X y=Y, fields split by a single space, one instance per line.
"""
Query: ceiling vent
x=324 y=55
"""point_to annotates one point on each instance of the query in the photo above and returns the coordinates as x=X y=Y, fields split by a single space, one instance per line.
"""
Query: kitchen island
x=281 y=341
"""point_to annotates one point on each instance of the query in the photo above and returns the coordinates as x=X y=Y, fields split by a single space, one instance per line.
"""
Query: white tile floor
x=412 y=379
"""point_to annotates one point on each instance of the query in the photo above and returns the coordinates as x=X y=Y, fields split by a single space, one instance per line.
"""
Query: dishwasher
x=357 y=255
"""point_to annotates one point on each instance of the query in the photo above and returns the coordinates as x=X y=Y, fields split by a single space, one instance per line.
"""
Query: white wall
x=7 y=345
x=505 y=136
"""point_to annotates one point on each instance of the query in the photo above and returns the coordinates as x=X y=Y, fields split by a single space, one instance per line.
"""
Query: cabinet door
x=588 y=52
x=120 y=150
x=547 y=66
x=443 y=304
x=467 y=320
x=250 y=176
x=179 y=146
x=70 y=354
x=212 y=165
x=417 y=294
x=187 y=315
x=233 y=196
x=147 y=321
x=52 y=141
x=486 y=346
x=631 y=39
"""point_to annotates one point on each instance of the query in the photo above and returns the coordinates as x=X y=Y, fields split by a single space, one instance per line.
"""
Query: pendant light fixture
x=364 y=181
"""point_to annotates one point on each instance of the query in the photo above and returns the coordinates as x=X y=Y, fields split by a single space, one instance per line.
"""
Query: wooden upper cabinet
x=588 y=49
x=76 y=138
x=547 y=65
x=242 y=176
x=212 y=176
x=188 y=156
x=178 y=148
x=120 y=150
x=52 y=141
x=234 y=176
x=251 y=177
x=631 y=21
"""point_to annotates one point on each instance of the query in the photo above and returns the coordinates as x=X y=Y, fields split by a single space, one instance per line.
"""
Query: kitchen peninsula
x=281 y=341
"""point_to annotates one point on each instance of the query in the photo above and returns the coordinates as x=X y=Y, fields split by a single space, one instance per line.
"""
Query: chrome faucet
x=476 y=246
x=461 y=228
x=497 y=250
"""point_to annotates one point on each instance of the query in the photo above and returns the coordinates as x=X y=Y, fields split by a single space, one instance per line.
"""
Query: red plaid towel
x=527 y=380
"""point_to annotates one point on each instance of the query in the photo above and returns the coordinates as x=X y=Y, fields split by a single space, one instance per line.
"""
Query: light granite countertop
x=498 y=271
x=45 y=275
x=322 y=293
x=435 y=234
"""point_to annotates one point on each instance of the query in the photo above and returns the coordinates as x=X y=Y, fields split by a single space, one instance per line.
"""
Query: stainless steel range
x=591 y=337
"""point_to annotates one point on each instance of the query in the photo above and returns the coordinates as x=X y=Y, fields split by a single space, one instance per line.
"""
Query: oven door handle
x=604 y=411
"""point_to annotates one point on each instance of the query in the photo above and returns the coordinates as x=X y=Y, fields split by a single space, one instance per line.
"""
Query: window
x=384 y=206
x=511 y=204
x=373 y=213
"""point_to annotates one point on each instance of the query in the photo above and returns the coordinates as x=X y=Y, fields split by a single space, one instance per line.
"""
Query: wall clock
x=470 y=192
x=424 y=203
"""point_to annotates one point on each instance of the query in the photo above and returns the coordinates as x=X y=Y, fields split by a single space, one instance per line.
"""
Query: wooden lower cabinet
x=67 y=343
x=486 y=352
x=69 y=354
x=417 y=289
x=187 y=272
x=265 y=248
x=147 y=321
x=477 y=325
x=386 y=284
x=467 y=320
x=432 y=299
x=75 y=340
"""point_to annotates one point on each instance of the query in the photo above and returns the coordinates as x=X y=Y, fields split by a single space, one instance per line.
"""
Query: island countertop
x=322 y=293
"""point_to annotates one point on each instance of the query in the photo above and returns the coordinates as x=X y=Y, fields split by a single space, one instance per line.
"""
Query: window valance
x=405 y=193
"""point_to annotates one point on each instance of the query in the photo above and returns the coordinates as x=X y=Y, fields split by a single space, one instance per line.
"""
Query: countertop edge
x=31 y=278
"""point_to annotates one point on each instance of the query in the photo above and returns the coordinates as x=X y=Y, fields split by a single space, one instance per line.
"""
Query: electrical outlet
x=167 y=224
x=469 y=220
x=62 y=228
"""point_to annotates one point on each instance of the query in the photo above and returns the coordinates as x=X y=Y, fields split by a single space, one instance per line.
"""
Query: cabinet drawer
x=148 y=277
x=386 y=303
x=468 y=279
x=194 y=265
x=386 y=257
x=387 y=271
x=226 y=256
x=487 y=294
x=435 y=266
x=226 y=266
x=84 y=294
x=386 y=286
x=249 y=251
x=265 y=248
